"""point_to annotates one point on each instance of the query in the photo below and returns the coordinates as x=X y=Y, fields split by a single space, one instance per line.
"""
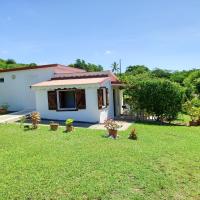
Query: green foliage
x=192 y=108
x=137 y=69
x=69 y=121
x=157 y=97
x=161 y=73
x=179 y=76
x=193 y=81
x=81 y=64
x=10 y=63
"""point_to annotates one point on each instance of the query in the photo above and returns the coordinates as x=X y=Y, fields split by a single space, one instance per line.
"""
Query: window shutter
x=52 y=100
x=107 y=97
x=80 y=99
x=100 y=98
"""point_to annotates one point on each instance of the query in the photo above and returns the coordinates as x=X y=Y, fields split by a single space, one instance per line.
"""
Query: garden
x=163 y=163
x=156 y=158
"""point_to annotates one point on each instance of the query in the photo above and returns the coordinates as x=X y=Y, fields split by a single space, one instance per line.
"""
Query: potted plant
x=112 y=127
x=35 y=119
x=133 y=135
x=4 y=109
x=69 y=125
x=53 y=126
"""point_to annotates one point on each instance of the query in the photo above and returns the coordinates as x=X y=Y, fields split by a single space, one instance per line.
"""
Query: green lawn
x=163 y=164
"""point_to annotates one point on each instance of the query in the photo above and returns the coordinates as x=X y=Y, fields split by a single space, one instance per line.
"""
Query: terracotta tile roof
x=57 y=68
x=109 y=74
x=60 y=69
x=67 y=82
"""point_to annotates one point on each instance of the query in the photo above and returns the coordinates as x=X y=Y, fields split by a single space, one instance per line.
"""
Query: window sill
x=63 y=110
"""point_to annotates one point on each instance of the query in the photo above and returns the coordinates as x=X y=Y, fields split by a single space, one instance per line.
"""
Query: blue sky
x=156 y=33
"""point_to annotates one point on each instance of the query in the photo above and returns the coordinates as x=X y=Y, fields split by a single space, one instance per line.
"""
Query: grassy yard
x=163 y=164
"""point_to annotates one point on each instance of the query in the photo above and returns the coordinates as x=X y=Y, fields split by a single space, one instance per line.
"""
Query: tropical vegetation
x=11 y=63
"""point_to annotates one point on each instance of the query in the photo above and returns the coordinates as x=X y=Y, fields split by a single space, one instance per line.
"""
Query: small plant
x=53 y=126
x=22 y=121
x=35 y=118
x=69 y=125
x=112 y=127
x=133 y=135
x=69 y=121
x=110 y=124
x=4 y=108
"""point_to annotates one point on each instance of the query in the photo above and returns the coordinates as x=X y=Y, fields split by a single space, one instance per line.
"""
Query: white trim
x=58 y=100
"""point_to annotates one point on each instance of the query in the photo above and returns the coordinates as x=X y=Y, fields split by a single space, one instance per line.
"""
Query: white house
x=59 y=92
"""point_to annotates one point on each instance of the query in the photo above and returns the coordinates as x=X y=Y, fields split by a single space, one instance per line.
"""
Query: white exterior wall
x=90 y=114
x=17 y=92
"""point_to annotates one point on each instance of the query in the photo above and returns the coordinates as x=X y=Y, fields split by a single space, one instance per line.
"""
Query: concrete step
x=13 y=117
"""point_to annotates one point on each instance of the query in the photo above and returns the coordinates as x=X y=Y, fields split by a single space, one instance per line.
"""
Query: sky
x=155 y=33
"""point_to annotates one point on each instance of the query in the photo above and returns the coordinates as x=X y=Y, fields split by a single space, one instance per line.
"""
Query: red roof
x=73 y=75
x=66 y=82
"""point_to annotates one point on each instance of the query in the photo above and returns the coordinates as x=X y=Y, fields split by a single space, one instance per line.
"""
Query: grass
x=163 y=164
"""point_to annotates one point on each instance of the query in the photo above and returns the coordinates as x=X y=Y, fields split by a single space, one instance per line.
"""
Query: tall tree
x=81 y=64
x=161 y=73
x=115 y=67
x=137 y=69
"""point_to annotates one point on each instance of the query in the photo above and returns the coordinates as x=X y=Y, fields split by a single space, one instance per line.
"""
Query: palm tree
x=115 y=67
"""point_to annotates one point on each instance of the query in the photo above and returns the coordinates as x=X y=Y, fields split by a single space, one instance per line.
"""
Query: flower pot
x=54 y=127
x=3 y=111
x=112 y=133
x=193 y=123
x=69 y=128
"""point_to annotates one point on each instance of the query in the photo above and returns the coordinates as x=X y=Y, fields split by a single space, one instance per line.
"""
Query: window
x=103 y=97
x=66 y=99
x=1 y=80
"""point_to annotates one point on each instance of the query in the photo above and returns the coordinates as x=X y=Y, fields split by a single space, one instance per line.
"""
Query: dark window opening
x=1 y=80
x=67 y=100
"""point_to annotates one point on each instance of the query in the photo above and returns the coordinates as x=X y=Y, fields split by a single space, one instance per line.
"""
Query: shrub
x=192 y=108
x=157 y=97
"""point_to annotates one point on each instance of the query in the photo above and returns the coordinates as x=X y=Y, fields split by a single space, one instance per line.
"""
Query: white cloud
x=107 y=52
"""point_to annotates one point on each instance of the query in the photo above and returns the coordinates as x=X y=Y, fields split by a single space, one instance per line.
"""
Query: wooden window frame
x=58 y=100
